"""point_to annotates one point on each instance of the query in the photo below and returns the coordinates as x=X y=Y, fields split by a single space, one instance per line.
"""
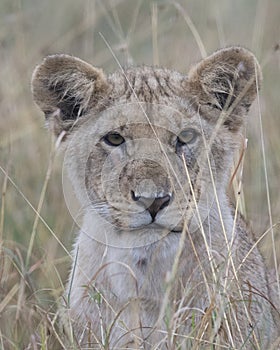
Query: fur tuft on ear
x=65 y=87
x=227 y=81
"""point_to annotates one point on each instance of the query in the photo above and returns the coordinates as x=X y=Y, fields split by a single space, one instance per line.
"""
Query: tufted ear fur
x=65 y=87
x=225 y=81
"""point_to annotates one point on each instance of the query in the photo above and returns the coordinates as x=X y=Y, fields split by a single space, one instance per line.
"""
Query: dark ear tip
x=233 y=59
x=53 y=62
x=53 y=65
x=244 y=59
x=235 y=51
x=237 y=56
x=60 y=59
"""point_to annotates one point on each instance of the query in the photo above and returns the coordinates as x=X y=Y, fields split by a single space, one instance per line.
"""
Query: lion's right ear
x=65 y=87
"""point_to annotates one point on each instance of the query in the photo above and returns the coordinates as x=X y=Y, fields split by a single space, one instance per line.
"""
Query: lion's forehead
x=147 y=83
x=143 y=119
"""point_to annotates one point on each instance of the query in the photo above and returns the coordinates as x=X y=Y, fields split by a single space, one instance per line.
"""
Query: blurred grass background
x=151 y=32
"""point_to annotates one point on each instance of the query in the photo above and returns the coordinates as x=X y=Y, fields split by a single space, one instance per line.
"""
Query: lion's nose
x=153 y=205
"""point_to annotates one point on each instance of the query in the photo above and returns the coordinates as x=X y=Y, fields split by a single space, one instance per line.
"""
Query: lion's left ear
x=228 y=81
x=65 y=88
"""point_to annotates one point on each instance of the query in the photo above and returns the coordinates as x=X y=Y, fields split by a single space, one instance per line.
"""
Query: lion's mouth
x=156 y=226
x=177 y=230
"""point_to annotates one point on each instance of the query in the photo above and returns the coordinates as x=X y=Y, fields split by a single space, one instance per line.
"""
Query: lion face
x=138 y=173
x=148 y=148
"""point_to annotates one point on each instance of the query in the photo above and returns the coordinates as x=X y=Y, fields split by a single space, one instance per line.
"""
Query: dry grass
x=36 y=229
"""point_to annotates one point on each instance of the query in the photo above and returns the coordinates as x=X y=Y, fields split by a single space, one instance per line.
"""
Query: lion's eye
x=114 y=139
x=187 y=136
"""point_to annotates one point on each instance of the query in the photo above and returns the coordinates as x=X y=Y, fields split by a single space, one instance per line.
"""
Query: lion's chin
x=158 y=228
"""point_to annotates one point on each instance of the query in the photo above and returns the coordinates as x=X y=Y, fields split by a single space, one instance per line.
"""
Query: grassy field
x=36 y=230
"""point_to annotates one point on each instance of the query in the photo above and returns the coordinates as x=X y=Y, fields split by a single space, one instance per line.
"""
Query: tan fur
x=194 y=275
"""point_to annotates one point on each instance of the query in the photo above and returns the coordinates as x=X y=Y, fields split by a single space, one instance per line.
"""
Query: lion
x=163 y=259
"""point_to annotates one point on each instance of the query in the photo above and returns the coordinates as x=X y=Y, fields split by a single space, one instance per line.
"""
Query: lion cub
x=162 y=260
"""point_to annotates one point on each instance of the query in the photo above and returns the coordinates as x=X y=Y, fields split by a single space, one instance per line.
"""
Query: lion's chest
x=140 y=272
